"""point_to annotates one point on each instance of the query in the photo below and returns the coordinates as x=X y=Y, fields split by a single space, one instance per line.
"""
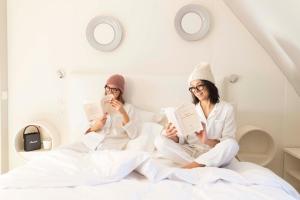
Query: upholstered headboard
x=146 y=92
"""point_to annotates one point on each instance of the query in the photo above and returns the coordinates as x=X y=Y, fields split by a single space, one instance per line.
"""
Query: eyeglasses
x=197 y=88
x=109 y=89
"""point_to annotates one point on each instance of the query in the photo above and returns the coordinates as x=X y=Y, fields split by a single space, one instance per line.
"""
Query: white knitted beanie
x=201 y=72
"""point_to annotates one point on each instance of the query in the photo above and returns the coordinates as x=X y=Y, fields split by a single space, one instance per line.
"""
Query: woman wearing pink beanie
x=117 y=127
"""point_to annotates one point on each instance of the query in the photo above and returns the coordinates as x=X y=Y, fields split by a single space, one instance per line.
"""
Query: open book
x=184 y=118
x=96 y=109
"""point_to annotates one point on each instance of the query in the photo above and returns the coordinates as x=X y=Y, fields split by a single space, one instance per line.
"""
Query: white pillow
x=147 y=116
x=145 y=140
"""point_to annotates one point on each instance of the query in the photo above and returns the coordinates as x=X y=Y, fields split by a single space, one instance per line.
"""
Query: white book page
x=171 y=116
x=106 y=106
x=188 y=118
x=96 y=109
x=93 y=110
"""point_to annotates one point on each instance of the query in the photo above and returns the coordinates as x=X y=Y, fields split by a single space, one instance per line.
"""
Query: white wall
x=283 y=22
x=3 y=87
x=266 y=21
x=44 y=36
x=275 y=17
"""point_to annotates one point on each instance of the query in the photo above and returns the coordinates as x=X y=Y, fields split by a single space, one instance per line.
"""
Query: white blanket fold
x=68 y=168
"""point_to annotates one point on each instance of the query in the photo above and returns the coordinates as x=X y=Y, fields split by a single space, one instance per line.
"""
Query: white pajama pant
x=218 y=156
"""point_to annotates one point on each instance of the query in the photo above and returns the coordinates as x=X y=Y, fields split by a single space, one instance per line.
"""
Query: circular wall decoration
x=104 y=33
x=256 y=145
x=192 y=22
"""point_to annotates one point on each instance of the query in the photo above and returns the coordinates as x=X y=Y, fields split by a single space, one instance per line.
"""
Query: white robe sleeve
x=85 y=126
x=229 y=129
x=132 y=127
x=91 y=139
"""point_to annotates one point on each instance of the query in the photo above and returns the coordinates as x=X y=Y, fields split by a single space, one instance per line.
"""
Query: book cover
x=185 y=119
x=96 y=109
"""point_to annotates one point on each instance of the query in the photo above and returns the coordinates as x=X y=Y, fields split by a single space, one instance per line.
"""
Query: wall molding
x=3 y=88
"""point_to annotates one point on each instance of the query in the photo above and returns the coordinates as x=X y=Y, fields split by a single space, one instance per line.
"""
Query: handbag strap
x=29 y=126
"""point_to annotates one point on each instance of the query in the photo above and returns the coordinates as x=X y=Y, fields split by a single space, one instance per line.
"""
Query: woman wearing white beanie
x=216 y=145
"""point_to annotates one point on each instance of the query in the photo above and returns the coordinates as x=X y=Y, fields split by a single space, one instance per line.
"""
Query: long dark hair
x=120 y=98
x=213 y=93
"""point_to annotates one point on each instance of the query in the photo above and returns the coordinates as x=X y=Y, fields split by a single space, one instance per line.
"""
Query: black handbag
x=32 y=141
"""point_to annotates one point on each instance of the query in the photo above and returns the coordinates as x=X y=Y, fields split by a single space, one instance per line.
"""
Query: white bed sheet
x=136 y=187
x=241 y=180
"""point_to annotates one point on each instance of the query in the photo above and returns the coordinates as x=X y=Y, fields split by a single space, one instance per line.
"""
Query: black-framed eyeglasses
x=197 y=88
x=110 y=89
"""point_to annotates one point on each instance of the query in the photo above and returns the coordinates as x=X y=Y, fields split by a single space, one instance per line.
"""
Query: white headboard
x=146 y=92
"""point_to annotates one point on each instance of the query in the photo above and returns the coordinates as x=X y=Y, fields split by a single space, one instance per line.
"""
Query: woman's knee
x=232 y=144
x=162 y=142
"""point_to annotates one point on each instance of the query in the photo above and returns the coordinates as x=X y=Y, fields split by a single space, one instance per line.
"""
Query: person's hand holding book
x=171 y=132
x=99 y=124
x=119 y=107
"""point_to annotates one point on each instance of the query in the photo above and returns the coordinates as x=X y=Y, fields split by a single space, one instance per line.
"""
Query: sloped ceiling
x=276 y=26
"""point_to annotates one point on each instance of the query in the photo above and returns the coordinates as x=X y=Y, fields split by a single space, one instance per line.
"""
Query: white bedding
x=136 y=187
x=110 y=175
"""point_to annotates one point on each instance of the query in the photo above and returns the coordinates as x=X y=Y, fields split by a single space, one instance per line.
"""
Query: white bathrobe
x=114 y=135
x=220 y=125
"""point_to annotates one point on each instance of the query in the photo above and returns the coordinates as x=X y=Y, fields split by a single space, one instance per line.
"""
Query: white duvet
x=110 y=169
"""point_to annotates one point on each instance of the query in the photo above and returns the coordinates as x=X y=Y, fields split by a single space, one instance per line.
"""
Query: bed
x=66 y=174
x=71 y=173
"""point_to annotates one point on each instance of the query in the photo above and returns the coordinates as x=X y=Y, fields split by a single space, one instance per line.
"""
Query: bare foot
x=193 y=165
